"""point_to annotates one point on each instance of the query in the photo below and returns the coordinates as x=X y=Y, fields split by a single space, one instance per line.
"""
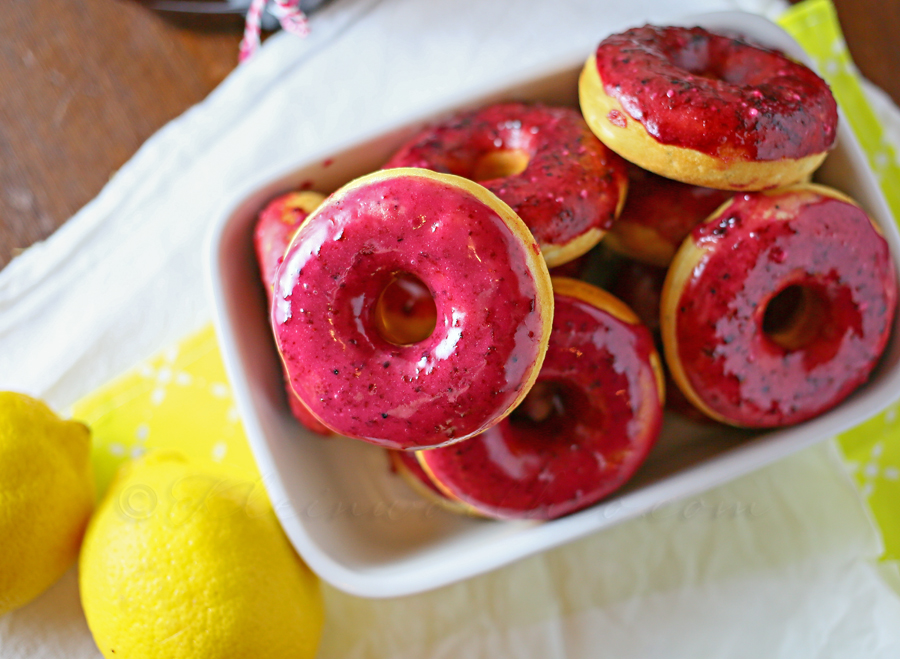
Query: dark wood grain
x=83 y=84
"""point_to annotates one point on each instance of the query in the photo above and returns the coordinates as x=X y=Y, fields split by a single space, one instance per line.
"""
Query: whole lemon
x=180 y=563
x=46 y=496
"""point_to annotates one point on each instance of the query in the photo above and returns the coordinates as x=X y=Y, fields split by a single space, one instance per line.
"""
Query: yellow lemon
x=46 y=496
x=180 y=563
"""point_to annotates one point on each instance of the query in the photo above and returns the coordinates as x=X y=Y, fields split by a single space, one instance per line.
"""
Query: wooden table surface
x=83 y=84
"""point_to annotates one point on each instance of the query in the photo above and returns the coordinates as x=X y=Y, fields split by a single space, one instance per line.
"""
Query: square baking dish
x=355 y=522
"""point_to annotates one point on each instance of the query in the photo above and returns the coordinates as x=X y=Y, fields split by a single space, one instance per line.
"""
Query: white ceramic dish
x=358 y=525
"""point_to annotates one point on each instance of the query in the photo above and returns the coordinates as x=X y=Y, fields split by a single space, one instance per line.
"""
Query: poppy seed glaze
x=729 y=350
x=491 y=293
x=571 y=188
x=717 y=94
x=707 y=109
x=600 y=393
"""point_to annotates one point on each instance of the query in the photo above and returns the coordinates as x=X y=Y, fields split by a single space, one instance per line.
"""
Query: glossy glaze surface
x=718 y=95
x=490 y=322
x=759 y=246
x=572 y=182
x=588 y=423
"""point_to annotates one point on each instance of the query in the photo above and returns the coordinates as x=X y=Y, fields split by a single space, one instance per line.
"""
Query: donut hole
x=549 y=409
x=795 y=317
x=704 y=60
x=500 y=164
x=695 y=61
x=405 y=312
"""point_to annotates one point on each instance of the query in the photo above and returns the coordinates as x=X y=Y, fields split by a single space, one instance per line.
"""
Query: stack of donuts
x=439 y=307
x=778 y=304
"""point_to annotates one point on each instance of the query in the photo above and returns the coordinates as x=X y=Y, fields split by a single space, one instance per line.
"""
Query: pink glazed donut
x=275 y=226
x=707 y=109
x=778 y=306
x=542 y=161
x=492 y=296
x=587 y=425
x=658 y=216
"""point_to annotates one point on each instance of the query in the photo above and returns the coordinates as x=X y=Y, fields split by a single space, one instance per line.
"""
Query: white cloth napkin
x=777 y=564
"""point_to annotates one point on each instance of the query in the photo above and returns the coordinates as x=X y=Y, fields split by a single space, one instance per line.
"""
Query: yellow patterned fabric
x=180 y=398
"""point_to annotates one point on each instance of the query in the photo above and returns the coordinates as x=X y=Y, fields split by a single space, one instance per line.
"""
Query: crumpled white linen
x=775 y=564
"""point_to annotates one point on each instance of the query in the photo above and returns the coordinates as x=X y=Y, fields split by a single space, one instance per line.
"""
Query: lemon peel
x=46 y=496
x=182 y=563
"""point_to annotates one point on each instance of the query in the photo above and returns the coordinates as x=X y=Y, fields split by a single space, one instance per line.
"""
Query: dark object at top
x=217 y=14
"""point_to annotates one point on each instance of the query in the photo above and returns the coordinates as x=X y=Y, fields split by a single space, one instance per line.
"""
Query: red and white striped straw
x=250 y=42
x=289 y=15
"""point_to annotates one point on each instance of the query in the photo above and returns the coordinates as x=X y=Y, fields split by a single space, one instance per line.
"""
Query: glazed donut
x=275 y=225
x=492 y=297
x=588 y=423
x=542 y=161
x=659 y=213
x=778 y=306
x=707 y=109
